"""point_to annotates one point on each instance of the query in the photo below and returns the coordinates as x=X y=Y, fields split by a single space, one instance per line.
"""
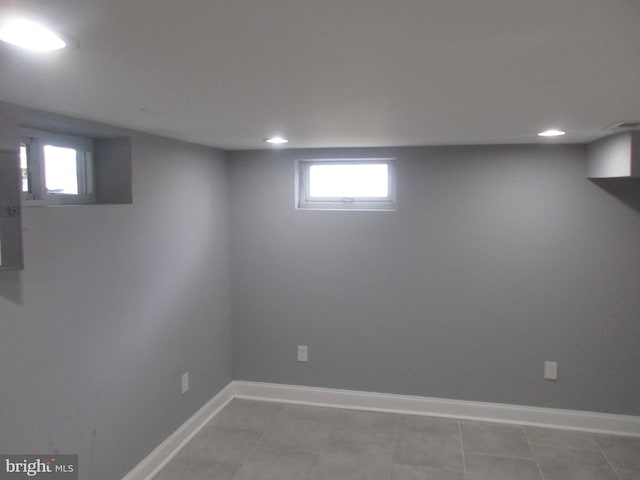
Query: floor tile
x=494 y=439
x=183 y=468
x=561 y=438
x=269 y=465
x=308 y=412
x=366 y=421
x=566 y=464
x=622 y=452
x=629 y=475
x=360 y=442
x=298 y=435
x=221 y=444
x=484 y=467
x=415 y=423
x=436 y=450
x=554 y=456
x=342 y=465
x=255 y=440
x=413 y=472
x=248 y=414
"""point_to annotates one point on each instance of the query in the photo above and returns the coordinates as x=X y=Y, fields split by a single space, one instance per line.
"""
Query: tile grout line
x=464 y=460
x=606 y=459
x=533 y=453
x=507 y=457
x=264 y=434
x=393 y=445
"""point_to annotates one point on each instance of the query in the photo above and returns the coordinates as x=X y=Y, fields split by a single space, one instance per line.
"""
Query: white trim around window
x=38 y=194
x=359 y=184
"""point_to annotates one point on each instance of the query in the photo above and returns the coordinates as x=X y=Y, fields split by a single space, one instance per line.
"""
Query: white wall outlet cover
x=185 y=382
x=551 y=370
x=303 y=353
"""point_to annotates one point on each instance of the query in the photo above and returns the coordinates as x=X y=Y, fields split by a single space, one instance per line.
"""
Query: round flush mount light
x=31 y=36
x=276 y=140
x=552 y=133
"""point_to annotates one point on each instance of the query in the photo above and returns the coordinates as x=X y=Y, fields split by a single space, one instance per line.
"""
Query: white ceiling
x=326 y=73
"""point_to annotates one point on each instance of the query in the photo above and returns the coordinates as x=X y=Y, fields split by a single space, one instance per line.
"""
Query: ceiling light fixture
x=31 y=36
x=552 y=133
x=276 y=140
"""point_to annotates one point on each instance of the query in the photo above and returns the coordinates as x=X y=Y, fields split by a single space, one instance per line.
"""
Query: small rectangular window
x=346 y=184
x=24 y=168
x=56 y=169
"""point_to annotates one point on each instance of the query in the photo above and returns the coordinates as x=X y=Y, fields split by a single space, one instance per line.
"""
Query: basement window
x=346 y=184
x=56 y=169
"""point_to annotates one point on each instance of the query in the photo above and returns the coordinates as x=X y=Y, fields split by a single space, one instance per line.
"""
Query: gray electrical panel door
x=10 y=211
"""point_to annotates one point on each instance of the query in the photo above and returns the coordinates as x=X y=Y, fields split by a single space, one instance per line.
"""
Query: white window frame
x=305 y=201
x=35 y=140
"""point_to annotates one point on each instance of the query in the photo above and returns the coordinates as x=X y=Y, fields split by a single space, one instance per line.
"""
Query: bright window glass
x=357 y=180
x=346 y=184
x=24 y=168
x=61 y=170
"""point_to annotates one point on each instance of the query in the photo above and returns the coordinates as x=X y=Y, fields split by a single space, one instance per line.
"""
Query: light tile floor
x=250 y=440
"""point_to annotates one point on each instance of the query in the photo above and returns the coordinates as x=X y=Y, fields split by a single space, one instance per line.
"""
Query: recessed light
x=31 y=36
x=552 y=133
x=276 y=140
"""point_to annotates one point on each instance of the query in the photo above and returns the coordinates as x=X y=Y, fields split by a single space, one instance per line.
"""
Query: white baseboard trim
x=157 y=459
x=461 y=409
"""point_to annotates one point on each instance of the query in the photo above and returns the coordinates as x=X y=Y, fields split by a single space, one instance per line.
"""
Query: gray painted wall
x=498 y=259
x=114 y=304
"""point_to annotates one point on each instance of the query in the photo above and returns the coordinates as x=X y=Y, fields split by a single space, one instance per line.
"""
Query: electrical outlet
x=303 y=353
x=551 y=371
x=185 y=382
